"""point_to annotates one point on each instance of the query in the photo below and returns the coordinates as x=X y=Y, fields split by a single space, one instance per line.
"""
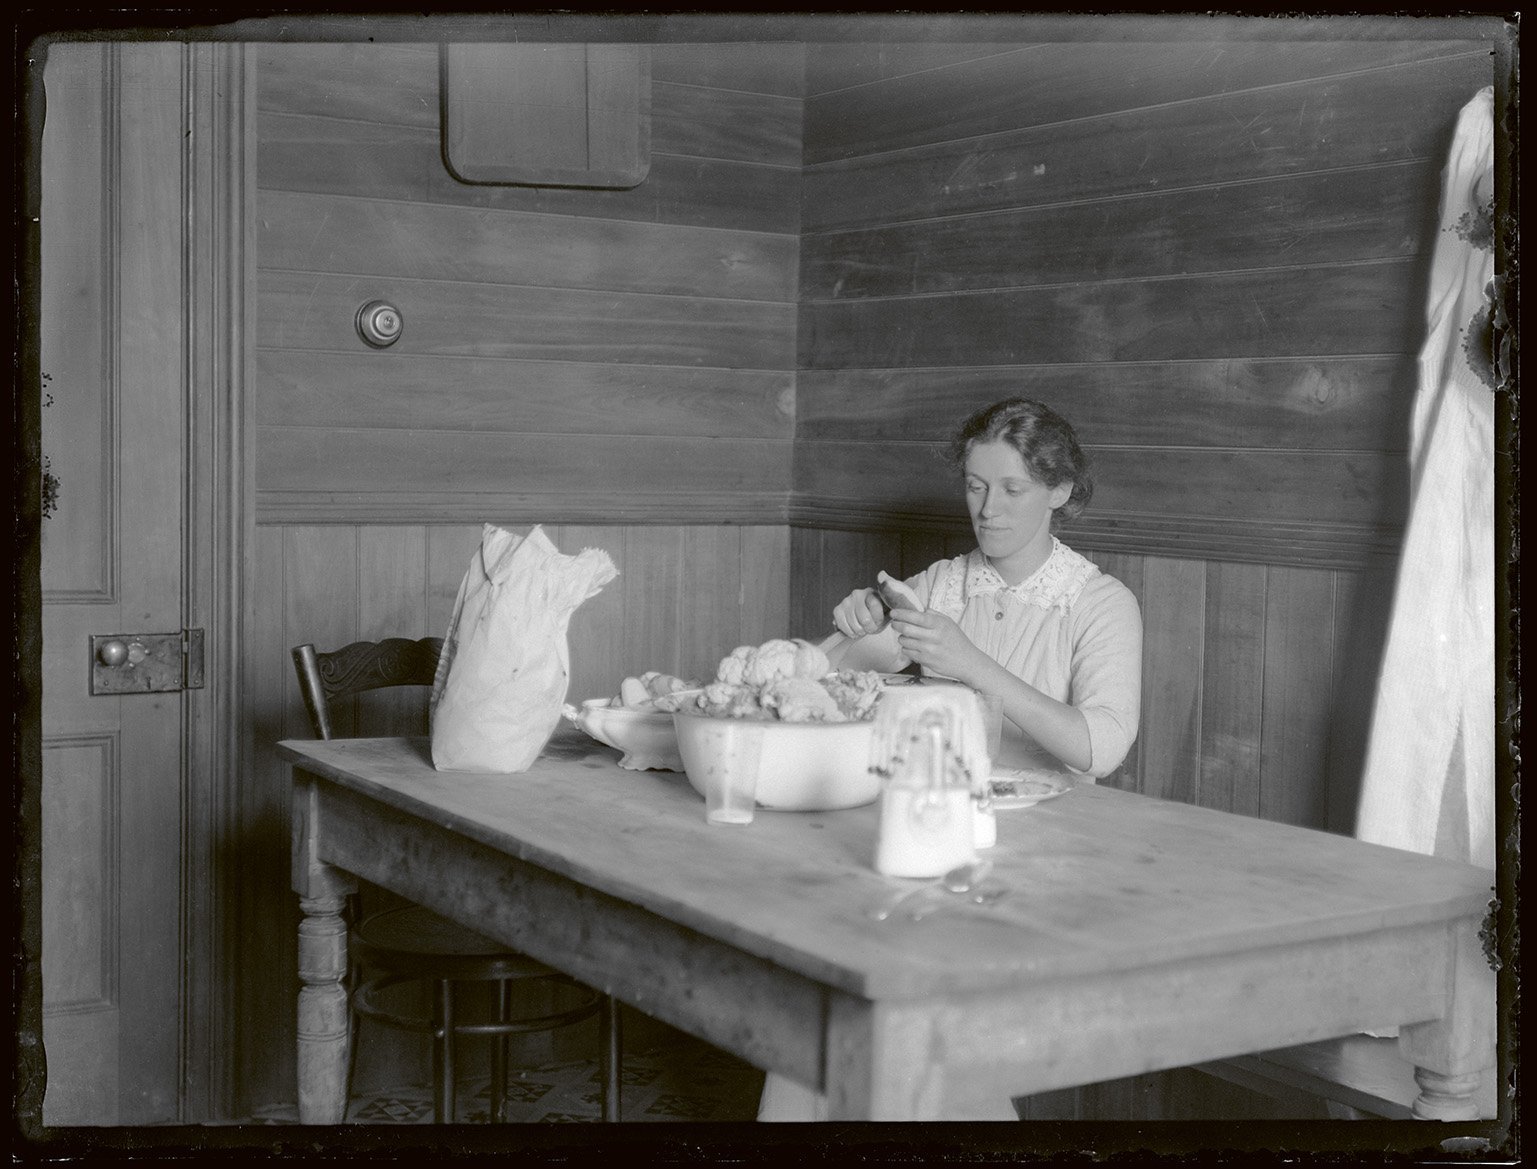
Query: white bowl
x=802 y=767
x=646 y=738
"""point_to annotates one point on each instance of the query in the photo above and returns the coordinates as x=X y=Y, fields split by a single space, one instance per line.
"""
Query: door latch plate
x=146 y=663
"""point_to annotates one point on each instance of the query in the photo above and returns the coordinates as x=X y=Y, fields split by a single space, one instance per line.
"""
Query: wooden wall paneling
x=1041 y=84
x=596 y=639
x=1232 y=687
x=346 y=80
x=726 y=123
x=806 y=610
x=711 y=101
x=958 y=543
x=1173 y=648
x=1375 y=117
x=919 y=549
x=1336 y=217
x=320 y=597
x=267 y=909
x=635 y=478
x=851 y=560
x=364 y=236
x=316 y=311
x=391 y=602
x=1299 y=672
x=711 y=589
x=652 y=584
x=1321 y=403
x=1302 y=486
x=1369 y=307
x=766 y=607
x=449 y=550
x=415 y=392
x=1362 y=607
x=746 y=67
x=832 y=67
x=328 y=155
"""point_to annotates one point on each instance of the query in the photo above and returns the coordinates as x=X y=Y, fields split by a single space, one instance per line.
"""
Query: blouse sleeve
x=1107 y=671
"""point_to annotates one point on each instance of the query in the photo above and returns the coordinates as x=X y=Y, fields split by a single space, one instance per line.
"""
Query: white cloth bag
x=504 y=670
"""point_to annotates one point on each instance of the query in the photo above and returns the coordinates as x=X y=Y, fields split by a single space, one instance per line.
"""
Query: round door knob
x=112 y=653
x=380 y=323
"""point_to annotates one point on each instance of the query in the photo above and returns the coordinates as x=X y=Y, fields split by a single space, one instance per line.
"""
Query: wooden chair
x=411 y=944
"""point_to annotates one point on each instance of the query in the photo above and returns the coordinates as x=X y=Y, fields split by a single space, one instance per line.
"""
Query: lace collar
x=1054 y=585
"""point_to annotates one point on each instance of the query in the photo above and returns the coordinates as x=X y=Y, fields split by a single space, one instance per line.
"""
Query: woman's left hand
x=936 y=642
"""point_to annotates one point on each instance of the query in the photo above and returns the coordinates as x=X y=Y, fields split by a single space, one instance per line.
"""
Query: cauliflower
x=800 y=700
x=730 y=700
x=810 y=661
x=855 y=692
x=733 y=666
x=777 y=658
x=790 y=680
x=773 y=659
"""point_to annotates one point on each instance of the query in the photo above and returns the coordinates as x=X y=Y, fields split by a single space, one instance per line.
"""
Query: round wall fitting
x=380 y=323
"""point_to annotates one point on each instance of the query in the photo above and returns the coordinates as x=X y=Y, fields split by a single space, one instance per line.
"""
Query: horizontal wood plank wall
x=568 y=355
x=1211 y=257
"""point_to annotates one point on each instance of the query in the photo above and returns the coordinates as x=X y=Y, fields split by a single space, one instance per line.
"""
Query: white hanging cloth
x=1429 y=777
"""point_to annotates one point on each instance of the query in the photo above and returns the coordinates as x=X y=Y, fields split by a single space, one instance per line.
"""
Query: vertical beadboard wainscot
x=1214 y=267
x=618 y=365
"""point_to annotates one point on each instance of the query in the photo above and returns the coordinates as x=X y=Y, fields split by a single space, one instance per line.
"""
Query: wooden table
x=1140 y=933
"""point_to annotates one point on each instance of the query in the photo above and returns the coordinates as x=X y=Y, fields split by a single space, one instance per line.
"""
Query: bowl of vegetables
x=633 y=724
x=807 y=727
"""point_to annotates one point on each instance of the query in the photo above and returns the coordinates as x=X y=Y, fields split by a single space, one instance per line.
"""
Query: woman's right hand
x=860 y=614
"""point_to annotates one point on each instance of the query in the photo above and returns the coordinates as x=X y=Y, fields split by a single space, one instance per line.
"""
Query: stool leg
x=499 y=1054
x=444 y=1097
x=608 y=1055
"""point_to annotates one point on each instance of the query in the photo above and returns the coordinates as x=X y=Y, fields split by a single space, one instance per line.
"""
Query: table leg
x=1452 y=1055
x=879 y=1062
x=323 y=1021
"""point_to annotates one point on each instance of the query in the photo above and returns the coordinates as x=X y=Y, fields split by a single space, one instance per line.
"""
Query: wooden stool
x=413 y=945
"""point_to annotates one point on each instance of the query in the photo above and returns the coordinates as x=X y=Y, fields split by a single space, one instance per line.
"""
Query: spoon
x=960 y=879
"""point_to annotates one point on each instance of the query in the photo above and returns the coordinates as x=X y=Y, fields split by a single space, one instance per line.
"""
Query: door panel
x=114 y=433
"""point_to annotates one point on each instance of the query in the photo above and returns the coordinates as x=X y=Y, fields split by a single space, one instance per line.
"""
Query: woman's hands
x=930 y=639
x=859 y=614
x=936 y=642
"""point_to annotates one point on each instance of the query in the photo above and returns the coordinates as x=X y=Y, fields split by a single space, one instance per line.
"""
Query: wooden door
x=120 y=773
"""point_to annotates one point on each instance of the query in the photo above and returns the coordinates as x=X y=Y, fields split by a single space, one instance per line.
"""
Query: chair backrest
x=363 y=665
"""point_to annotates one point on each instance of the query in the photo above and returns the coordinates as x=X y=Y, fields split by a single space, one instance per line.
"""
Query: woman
x=1022 y=617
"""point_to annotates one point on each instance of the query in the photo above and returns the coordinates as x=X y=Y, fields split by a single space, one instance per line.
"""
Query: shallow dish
x=1024 y=787
x=645 y=738
x=802 y=767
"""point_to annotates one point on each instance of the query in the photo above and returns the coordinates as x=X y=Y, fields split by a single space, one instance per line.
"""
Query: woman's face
x=1010 y=508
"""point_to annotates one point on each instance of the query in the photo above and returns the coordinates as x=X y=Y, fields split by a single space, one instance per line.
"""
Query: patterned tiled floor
x=687 y=1080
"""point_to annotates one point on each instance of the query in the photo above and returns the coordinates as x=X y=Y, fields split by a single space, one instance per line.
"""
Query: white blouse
x=1069 y=630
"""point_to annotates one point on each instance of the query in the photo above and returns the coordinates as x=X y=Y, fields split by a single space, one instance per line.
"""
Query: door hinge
x=146 y=663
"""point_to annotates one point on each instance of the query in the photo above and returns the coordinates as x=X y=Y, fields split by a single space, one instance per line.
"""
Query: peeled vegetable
x=641 y=693
x=895 y=593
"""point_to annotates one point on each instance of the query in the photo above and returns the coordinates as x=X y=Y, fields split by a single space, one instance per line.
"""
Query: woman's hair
x=1044 y=440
